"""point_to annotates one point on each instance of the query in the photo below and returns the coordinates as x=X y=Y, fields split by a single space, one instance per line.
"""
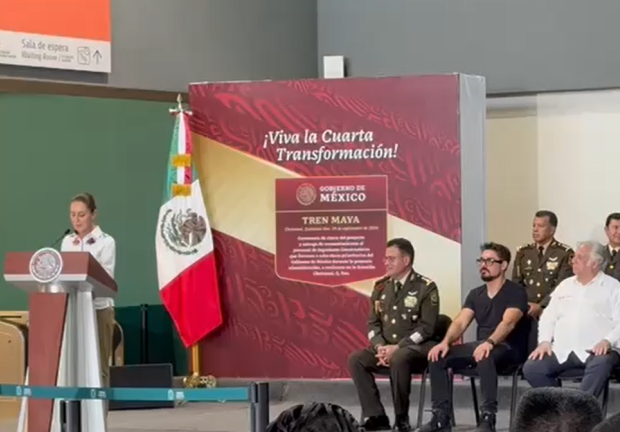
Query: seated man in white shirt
x=580 y=329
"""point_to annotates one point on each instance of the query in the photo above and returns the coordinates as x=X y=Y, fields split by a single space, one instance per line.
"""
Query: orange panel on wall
x=57 y=34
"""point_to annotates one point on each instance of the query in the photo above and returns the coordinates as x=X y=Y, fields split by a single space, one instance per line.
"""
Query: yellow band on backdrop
x=240 y=199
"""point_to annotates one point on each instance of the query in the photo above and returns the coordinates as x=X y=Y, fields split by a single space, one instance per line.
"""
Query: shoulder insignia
x=525 y=246
x=560 y=245
x=426 y=280
x=380 y=284
x=564 y=246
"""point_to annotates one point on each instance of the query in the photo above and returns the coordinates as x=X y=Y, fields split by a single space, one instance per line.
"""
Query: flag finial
x=179 y=109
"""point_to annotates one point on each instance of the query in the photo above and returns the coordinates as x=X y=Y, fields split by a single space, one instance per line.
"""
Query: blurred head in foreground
x=314 y=417
x=557 y=410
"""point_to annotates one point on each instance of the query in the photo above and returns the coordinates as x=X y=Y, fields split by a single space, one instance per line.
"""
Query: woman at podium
x=88 y=237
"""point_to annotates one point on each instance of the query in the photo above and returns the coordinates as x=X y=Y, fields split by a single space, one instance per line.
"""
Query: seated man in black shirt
x=499 y=308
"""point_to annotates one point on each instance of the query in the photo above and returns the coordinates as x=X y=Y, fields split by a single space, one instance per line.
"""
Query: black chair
x=424 y=373
x=514 y=372
x=572 y=374
x=577 y=374
x=441 y=328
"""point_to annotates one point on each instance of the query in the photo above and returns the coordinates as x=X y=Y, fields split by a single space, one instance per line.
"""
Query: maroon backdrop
x=283 y=329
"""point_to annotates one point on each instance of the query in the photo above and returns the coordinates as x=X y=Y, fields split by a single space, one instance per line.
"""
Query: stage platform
x=234 y=417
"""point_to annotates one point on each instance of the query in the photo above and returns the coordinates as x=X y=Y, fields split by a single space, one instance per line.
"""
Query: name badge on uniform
x=411 y=301
x=552 y=266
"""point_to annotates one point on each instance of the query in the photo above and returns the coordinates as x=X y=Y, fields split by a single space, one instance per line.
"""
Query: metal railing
x=257 y=394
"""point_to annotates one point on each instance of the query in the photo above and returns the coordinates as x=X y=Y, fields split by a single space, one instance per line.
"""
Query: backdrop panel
x=280 y=157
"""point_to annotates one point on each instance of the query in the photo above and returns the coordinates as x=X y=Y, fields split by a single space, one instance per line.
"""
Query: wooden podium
x=63 y=348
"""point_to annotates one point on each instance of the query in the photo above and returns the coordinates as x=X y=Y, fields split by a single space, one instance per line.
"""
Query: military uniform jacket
x=612 y=266
x=407 y=317
x=540 y=276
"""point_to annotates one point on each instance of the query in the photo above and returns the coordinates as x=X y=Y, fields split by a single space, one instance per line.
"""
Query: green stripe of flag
x=172 y=171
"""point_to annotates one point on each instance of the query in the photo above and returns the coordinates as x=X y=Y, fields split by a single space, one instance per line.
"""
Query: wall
x=53 y=147
x=512 y=176
x=166 y=44
x=556 y=152
x=518 y=46
x=578 y=155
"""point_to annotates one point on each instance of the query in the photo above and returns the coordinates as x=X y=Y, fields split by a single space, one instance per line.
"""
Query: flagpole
x=195 y=378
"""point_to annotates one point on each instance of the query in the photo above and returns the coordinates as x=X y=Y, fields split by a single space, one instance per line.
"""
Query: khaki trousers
x=105 y=327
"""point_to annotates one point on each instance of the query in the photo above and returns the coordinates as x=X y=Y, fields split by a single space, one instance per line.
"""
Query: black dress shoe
x=376 y=423
x=402 y=424
x=440 y=422
x=487 y=423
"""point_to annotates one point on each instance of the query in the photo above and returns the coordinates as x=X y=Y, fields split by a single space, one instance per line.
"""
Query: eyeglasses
x=390 y=259
x=488 y=261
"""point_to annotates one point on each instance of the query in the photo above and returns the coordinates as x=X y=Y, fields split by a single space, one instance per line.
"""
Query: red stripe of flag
x=189 y=149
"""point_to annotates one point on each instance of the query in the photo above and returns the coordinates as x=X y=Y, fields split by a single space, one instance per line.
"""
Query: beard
x=488 y=277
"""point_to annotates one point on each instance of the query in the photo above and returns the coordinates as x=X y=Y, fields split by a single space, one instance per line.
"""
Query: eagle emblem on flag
x=183 y=230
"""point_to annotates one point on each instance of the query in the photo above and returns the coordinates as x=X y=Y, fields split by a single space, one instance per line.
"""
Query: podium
x=63 y=348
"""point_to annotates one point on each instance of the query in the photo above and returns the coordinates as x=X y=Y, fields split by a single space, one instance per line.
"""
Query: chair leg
x=451 y=392
x=514 y=395
x=605 y=399
x=422 y=398
x=474 y=395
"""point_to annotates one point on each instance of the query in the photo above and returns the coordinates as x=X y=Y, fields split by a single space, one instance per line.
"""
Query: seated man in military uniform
x=403 y=315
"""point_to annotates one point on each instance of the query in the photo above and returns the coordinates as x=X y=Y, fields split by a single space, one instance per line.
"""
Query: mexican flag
x=185 y=260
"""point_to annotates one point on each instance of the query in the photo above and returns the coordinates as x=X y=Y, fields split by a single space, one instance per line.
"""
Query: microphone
x=61 y=237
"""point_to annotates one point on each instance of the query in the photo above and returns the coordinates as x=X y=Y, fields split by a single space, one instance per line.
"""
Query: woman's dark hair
x=87 y=199
x=556 y=410
x=315 y=417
